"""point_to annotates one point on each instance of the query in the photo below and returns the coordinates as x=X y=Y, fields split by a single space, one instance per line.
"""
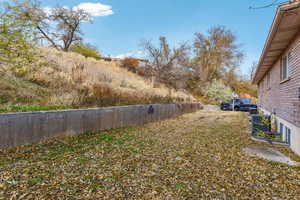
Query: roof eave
x=276 y=22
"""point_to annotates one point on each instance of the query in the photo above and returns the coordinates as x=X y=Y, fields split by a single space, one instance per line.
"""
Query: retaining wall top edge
x=86 y=109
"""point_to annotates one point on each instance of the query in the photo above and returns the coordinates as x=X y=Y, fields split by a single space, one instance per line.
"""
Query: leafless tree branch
x=167 y=65
x=61 y=27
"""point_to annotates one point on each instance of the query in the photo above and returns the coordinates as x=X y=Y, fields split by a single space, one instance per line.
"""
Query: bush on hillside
x=246 y=87
x=217 y=92
x=130 y=63
x=86 y=50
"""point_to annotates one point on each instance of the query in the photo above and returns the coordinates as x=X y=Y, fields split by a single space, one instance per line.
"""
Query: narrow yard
x=196 y=156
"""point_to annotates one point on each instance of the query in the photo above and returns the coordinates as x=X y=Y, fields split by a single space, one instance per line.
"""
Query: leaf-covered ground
x=196 y=156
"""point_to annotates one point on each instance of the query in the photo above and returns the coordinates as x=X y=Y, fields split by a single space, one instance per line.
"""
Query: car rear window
x=245 y=101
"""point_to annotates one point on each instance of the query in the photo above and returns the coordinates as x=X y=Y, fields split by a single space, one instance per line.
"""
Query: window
x=245 y=101
x=285 y=133
x=236 y=101
x=284 y=69
x=281 y=128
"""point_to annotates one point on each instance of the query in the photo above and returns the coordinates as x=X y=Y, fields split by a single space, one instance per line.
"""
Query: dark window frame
x=285 y=67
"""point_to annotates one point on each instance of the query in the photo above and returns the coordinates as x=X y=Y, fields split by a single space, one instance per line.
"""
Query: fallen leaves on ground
x=195 y=156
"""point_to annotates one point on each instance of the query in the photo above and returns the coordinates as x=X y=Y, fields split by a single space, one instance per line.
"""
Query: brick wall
x=283 y=97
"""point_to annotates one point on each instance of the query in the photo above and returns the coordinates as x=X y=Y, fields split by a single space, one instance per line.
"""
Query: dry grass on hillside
x=72 y=79
x=101 y=78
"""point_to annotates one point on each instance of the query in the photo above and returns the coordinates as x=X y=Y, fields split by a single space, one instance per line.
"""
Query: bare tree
x=60 y=26
x=252 y=70
x=165 y=63
x=216 y=53
x=68 y=25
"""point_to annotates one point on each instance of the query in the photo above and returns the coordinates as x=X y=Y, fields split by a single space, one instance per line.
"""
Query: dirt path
x=196 y=156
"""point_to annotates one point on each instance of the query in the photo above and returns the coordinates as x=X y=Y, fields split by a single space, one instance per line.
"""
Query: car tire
x=236 y=108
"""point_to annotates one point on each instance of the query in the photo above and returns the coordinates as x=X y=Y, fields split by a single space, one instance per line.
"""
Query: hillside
x=67 y=80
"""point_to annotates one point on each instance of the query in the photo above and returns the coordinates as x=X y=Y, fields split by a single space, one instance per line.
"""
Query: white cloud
x=124 y=55
x=95 y=9
x=47 y=10
x=139 y=54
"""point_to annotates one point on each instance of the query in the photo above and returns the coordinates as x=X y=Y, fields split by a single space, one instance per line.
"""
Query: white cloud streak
x=139 y=54
x=95 y=9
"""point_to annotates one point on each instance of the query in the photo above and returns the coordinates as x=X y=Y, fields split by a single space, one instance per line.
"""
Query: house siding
x=283 y=97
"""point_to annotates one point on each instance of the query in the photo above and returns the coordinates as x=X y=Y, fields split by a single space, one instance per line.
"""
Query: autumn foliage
x=130 y=63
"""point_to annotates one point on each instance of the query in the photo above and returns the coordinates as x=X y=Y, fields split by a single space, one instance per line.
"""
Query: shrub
x=86 y=50
x=130 y=63
x=101 y=90
x=217 y=92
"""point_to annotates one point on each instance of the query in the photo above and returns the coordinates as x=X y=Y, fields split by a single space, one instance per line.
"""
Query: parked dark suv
x=239 y=105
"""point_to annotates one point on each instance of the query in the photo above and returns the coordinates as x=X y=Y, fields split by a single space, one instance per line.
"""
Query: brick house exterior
x=283 y=97
x=278 y=73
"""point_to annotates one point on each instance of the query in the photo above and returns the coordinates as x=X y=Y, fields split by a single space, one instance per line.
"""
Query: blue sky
x=127 y=22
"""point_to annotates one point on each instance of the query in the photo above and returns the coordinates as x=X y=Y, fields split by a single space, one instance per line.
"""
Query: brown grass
x=85 y=81
x=60 y=79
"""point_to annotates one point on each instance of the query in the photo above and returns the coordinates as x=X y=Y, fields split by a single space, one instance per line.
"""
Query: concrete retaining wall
x=31 y=127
